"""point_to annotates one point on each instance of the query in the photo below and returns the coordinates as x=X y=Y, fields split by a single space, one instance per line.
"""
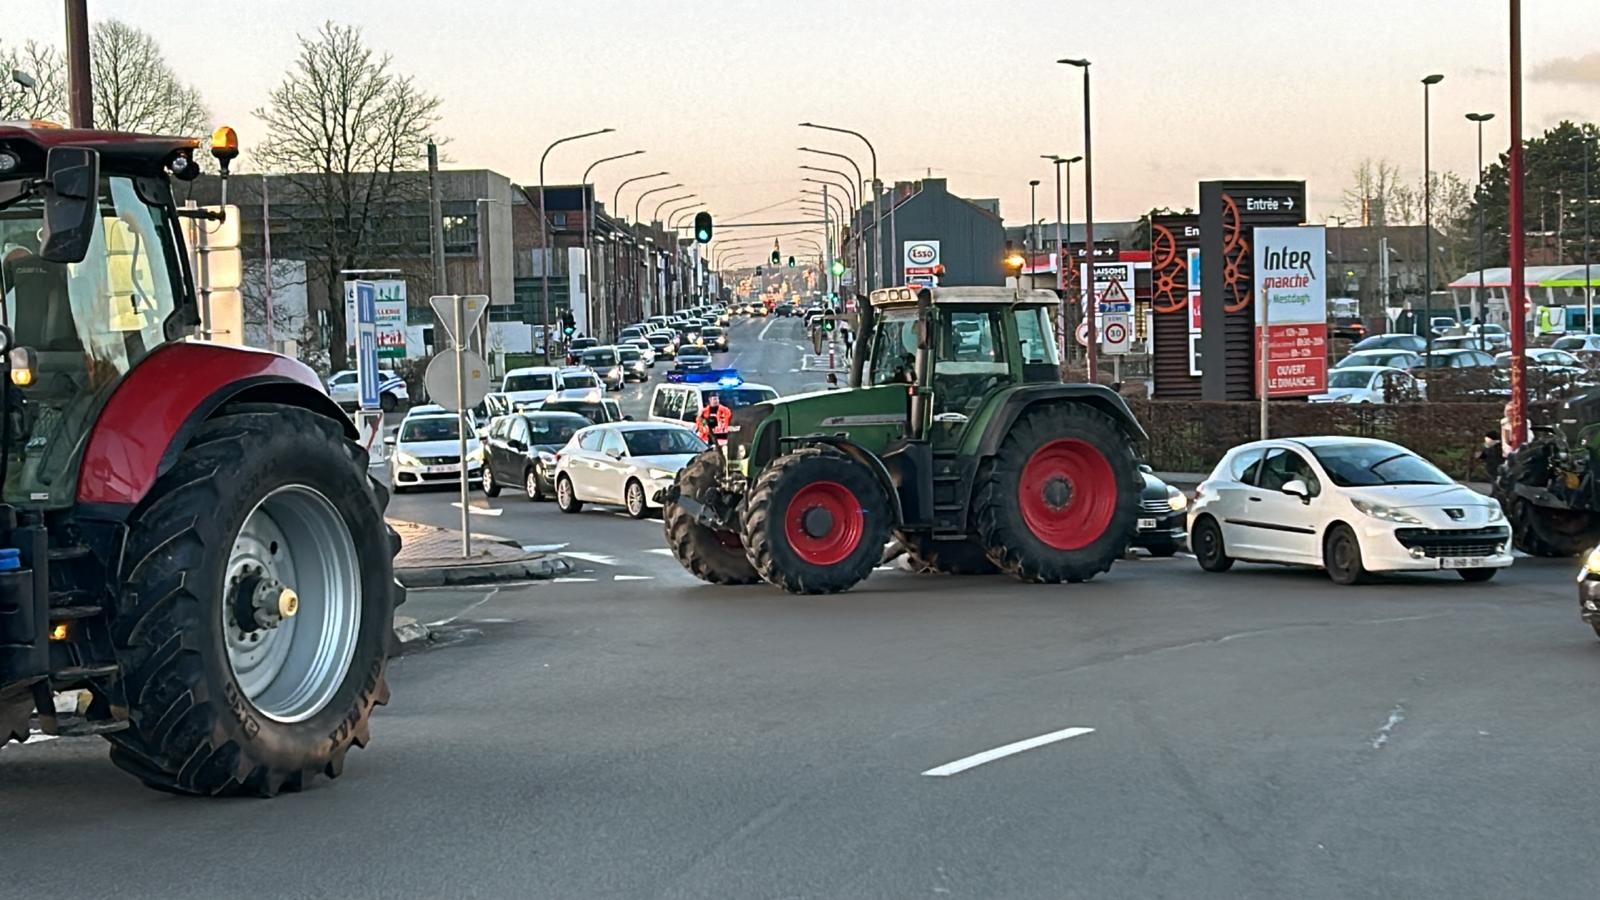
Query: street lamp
x=1483 y=291
x=1027 y=241
x=640 y=199
x=674 y=213
x=1427 y=209
x=656 y=216
x=544 y=237
x=877 y=194
x=1061 y=248
x=857 y=204
x=616 y=198
x=1092 y=306
x=588 y=224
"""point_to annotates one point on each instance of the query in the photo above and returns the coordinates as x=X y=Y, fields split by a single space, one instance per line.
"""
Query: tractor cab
x=94 y=278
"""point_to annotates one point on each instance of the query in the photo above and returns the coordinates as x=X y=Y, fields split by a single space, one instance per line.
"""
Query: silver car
x=628 y=464
x=606 y=365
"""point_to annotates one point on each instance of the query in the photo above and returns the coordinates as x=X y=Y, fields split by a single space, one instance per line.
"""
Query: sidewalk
x=431 y=557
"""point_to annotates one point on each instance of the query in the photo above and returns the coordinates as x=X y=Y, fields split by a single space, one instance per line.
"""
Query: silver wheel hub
x=292 y=615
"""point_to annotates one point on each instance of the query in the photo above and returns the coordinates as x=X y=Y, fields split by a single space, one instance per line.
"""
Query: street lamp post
x=588 y=248
x=1062 y=260
x=1092 y=304
x=851 y=193
x=544 y=239
x=1483 y=295
x=877 y=194
x=1427 y=209
x=857 y=204
x=1027 y=241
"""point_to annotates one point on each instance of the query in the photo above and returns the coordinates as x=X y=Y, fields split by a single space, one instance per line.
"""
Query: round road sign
x=1116 y=333
x=1083 y=333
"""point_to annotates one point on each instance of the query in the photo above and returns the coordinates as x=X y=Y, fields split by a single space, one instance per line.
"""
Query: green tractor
x=957 y=436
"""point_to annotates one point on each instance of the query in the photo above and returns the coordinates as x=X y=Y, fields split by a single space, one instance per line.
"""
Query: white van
x=680 y=403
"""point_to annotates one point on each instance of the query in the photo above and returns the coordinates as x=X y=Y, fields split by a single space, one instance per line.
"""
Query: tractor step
x=75 y=676
x=73 y=613
x=68 y=552
x=76 y=726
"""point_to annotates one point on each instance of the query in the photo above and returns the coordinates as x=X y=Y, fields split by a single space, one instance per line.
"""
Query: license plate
x=1463 y=562
x=440 y=470
x=1147 y=524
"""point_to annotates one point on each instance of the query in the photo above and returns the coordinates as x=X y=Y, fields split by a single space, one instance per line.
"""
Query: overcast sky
x=963 y=89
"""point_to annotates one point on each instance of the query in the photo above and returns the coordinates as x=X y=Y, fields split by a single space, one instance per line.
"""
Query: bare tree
x=1376 y=194
x=343 y=128
x=134 y=88
x=47 y=98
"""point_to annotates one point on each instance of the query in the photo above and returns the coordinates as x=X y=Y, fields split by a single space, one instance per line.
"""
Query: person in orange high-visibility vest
x=713 y=419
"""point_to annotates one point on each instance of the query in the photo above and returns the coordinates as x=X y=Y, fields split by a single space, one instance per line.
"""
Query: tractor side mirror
x=71 y=185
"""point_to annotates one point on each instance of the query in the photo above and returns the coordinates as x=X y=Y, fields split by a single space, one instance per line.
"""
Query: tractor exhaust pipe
x=917 y=425
x=858 y=358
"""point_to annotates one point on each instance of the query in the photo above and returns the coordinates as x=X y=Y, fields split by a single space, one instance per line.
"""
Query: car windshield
x=1365 y=465
x=662 y=441
x=736 y=398
x=1349 y=379
x=540 y=382
x=554 y=429
x=600 y=358
x=629 y=354
x=580 y=380
x=711 y=332
x=584 y=343
x=431 y=428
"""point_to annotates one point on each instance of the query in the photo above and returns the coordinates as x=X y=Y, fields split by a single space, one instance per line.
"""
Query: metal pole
x=895 y=250
x=877 y=195
x=827 y=239
x=588 y=245
x=1427 y=208
x=1518 y=412
x=80 y=94
x=544 y=241
x=1266 y=312
x=1588 y=252
x=1483 y=289
x=1071 y=270
x=461 y=429
x=266 y=254
x=1033 y=217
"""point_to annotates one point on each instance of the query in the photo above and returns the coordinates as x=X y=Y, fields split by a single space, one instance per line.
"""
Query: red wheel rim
x=1068 y=494
x=824 y=523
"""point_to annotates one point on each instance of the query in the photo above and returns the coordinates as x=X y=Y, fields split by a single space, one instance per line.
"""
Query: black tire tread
x=695 y=546
x=758 y=543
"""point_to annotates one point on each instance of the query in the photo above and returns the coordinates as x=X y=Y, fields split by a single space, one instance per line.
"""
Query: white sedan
x=1369 y=384
x=1351 y=506
x=426 y=449
x=628 y=464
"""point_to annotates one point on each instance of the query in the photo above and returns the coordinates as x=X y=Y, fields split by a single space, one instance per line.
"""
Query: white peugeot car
x=627 y=464
x=527 y=389
x=426 y=449
x=1351 y=506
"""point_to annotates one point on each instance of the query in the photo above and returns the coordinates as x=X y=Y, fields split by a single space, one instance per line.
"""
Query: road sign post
x=460 y=382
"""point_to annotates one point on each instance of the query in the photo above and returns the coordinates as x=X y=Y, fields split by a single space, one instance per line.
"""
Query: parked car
x=628 y=464
x=1443 y=324
x=1548 y=360
x=1396 y=359
x=578 y=377
x=1163 y=516
x=520 y=449
x=1495 y=337
x=1370 y=384
x=1577 y=344
x=1351 y=506
x=632 y=361
x=529 y=387
x=1458 y=359
x=426 y=449
x=343 y=387
x=1414 y=343
x=606 y=365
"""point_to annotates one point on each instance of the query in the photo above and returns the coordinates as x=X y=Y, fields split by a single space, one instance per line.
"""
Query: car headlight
x=1386 y=513
x=475 y=455
x=402 y=458
x=1591 y=563
x=659 y=474
x=1496 y=514
x=1176 y=500
x=547 y=457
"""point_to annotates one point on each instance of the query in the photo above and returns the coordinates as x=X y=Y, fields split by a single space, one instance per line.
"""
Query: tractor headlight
x=1176 y=501
x=1386 y=513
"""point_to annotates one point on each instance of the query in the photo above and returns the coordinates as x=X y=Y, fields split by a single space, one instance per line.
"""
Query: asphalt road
x=633 y=733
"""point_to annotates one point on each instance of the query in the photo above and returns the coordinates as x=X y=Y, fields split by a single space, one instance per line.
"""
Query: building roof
x=1533 y=276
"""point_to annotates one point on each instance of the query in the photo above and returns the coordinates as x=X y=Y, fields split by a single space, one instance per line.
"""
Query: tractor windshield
x=87 y=324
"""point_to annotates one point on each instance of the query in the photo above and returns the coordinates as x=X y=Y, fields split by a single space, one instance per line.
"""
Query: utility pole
x=80 y=95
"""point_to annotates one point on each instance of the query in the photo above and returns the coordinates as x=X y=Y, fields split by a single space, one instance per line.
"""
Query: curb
x=539 y=566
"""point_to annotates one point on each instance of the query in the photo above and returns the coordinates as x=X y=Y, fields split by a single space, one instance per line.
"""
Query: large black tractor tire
x=1060 y=499
x=195 y=726
x=924 y=554
x=816 y=522
x=1535 y=530
x=710 y=555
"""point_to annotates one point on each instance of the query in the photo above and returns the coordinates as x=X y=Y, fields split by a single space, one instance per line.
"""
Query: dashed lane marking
x=569 y=580
x=479 y=510
x=634 y=578
x=988 y=756
x=596 y=558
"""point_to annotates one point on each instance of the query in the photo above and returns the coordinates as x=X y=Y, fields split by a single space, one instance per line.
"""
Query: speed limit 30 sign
x=1116 y=333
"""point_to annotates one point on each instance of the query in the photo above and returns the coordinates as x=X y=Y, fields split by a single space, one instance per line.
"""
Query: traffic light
x=828 y=323
x=702 y=227
x=791 y=262
x=776 y=259
x=758 y=271
x=568 y=324
x=838 y=267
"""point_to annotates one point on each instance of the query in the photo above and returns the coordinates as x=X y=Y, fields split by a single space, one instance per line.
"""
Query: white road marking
x=763 y=335
x=574 y=580
x=633 y=578
x=481 y=601
x=1396 y=716
x=479 y=510
x=597 y=558
x=37 y=738
x=660 y=551
x=961 y=765
x=542 y=548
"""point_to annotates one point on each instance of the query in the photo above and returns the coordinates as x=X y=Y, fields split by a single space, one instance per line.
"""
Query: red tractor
x=193 y=557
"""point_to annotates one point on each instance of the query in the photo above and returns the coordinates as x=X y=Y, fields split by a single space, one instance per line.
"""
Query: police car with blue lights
x=681 y=399
x=346 y=392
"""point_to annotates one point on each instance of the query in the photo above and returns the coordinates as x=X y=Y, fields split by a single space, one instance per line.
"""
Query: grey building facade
x=971 y=238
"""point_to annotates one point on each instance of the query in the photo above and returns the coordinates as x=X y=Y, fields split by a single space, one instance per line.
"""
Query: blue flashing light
x=723 y=377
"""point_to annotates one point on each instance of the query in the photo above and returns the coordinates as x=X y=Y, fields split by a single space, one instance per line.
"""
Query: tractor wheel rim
x=291 y=672
x=1067 y=493
x=845 y=523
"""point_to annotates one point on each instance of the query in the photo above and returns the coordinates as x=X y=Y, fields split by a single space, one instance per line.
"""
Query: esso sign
x=921 y=254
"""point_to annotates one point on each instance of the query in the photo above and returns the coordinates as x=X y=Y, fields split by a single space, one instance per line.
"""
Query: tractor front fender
x=864 y=456
x=153 y=412
x=1010 y=404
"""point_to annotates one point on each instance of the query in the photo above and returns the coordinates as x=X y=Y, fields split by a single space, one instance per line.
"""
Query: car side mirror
x=614 y=453
x=627 y=418
x=388 y=440
x=72 y=185
x=1298 y=488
